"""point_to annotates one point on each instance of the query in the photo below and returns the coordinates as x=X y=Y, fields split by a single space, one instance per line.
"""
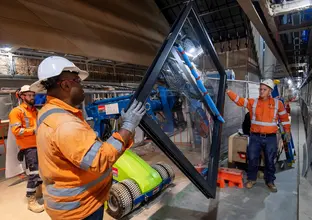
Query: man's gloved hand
x=133 y=116
x=287 y=137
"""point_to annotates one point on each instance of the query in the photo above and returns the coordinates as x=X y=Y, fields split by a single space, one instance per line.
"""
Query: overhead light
x=191 y=50
x=289 y=81
x=6 y=49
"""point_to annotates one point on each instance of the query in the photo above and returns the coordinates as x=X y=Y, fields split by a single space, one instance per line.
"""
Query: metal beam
x=286 y=28
x=272 y=25
x=288 y=7
x=253 y=16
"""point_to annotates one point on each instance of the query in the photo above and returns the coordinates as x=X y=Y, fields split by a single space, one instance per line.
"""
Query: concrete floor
x=184 y=201
x=233 y=203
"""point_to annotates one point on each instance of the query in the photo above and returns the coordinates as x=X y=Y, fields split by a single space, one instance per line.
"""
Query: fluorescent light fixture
x=289 y=81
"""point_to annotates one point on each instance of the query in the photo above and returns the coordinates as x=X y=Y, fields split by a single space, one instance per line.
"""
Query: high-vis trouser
x=269 y=146
x=34 y=180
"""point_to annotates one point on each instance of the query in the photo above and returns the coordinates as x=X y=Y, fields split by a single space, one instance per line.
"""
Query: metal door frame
x=206 y=185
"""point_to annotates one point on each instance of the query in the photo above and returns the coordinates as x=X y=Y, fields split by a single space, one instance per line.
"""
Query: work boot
x=272 y=187
x=33 y=205
x=250 y=184
x=39 y=192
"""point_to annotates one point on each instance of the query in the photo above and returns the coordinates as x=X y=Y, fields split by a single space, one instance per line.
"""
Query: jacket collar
x=55 y=101
x=27 y=107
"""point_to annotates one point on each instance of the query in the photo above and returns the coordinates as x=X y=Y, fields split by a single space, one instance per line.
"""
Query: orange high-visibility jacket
x=264 y=114
x=23 y=125
x=75 y=166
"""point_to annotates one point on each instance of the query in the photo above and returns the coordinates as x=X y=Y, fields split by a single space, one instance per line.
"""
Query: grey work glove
x=131 y=119
x=287 y=137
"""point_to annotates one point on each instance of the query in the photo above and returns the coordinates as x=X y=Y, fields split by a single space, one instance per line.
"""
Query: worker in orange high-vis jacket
x=75 y=165
x=265 y=112
x=23 y=126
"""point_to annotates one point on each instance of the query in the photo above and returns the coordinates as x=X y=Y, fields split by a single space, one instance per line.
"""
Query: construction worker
x=23 y=126
x=264 y=111
x=75 y=165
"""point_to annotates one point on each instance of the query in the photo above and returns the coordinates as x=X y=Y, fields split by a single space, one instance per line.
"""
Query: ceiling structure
x=227 y=25
x=224 y=19
x=123 y=31
x=286 y=26
x=127 y=34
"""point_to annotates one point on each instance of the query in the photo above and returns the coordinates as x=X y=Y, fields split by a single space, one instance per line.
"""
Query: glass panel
x=177 y=103
x=180 y=113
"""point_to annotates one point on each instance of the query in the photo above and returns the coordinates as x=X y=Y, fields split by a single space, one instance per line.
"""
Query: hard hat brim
x=38 y=87
x=25 y=88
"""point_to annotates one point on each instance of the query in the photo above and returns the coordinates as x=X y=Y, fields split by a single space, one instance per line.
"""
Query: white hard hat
x=54 y=66
x=268 y=82
x=25 y=88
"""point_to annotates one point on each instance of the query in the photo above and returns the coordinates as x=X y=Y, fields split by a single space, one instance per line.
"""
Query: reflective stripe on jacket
x=23 y=124
x=74 y=165
x=264 y=114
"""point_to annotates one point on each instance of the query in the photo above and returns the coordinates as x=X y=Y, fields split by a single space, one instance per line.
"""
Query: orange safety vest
x=264 y=114
x=75 y=165
x=23 y=125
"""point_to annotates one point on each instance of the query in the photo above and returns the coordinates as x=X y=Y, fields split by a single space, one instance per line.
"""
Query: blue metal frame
x=165 y=103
